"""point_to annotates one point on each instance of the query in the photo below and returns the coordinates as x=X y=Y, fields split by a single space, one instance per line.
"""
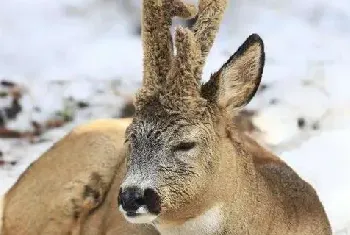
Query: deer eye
x=184 y=146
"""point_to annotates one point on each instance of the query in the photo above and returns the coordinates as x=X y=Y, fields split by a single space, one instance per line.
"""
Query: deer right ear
x=235 y=84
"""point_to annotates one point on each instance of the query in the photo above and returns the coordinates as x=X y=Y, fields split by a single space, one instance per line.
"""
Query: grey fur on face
x=168 y=152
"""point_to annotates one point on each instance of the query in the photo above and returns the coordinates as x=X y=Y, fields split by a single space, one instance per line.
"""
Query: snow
x=88 y=51
x=315 y=159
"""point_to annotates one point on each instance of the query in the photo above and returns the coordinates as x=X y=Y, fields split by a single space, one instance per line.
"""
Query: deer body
x=266 y=186
x=78 y=175
x=182 y=167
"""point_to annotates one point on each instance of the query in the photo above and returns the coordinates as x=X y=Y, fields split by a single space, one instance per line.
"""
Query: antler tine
x=207 y=25
x=193 y=47
x=180 y=80
x=156 y=36
x=181 y=93
x=183 y=80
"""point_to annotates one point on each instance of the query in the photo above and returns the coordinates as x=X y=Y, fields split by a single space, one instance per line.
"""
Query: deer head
x=175 y=140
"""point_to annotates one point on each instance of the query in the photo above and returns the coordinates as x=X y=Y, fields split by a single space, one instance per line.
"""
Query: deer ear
x=235 y=84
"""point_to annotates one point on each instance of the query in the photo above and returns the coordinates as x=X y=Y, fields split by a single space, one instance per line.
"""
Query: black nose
x=132 y=198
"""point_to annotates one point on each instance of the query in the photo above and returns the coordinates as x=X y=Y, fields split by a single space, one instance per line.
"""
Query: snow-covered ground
x=88 y=50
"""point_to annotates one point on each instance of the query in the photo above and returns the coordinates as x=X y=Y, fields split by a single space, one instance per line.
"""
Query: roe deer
x=184 y=167
x=188 y=169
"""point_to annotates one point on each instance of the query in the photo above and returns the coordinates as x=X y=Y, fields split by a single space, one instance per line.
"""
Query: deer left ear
x=235 y=84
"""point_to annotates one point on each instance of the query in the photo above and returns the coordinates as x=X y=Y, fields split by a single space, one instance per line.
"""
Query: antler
x=180 y=82
x=207 y=25
x=192 y=50
x=156 y=36
x=180 y=76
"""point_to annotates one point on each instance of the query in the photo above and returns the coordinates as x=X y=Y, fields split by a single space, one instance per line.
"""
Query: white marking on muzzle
x=143 y=216
x=2 y=211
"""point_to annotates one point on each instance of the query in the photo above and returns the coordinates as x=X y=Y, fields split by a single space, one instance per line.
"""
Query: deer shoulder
x=67 y=182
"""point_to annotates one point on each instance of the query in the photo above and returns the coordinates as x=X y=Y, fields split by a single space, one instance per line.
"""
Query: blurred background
x=65 y=62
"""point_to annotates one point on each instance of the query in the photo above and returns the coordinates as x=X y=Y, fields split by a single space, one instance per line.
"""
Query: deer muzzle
x=139 y=205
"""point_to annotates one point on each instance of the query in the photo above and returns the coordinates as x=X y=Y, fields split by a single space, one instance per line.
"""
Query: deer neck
x=208 y=223
x=245 y=191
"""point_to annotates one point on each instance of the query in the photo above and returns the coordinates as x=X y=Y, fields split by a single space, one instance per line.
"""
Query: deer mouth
x=140 y=216
x=132 y=214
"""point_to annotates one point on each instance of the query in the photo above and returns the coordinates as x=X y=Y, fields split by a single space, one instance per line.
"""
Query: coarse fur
x=183 y=146
x=1 y=211
x=207 y=176
x=72 y=188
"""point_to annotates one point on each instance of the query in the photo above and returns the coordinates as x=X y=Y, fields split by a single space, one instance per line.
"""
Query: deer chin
x=141 y=216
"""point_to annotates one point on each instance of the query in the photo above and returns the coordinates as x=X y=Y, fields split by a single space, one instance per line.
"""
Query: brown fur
x=224 y=183
x=157 y=42
x=2 y=198
x=207 y=25
x=79 y=175
x=255 y=191
x=269 y=197
x=25 y=214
